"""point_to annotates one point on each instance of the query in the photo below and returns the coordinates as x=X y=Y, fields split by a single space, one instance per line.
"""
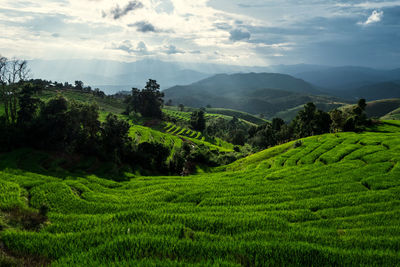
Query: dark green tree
x=277 y=124
x=115 y=139
x=133 y=101
x=148 y=101
x=79 y=85
x=28 y=105
x=151 y=100
x=197 y=121
x=311 y=121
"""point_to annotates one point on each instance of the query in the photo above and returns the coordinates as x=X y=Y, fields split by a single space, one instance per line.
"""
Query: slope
x=347 y=77
x=393 y=115
x=373 y=91
x=333 y=200
x=379 y=108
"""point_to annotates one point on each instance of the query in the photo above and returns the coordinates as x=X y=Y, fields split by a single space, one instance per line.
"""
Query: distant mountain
x=266 y=93
x=375 y=91
x=113 y=76
x=340 y=78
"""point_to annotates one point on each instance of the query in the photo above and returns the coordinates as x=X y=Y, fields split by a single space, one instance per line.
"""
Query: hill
x=216 y=112
x=325 y=200
x=393 y=115
x=376 y=91
x=255 y=93
x=347 y=77
x=379 y=108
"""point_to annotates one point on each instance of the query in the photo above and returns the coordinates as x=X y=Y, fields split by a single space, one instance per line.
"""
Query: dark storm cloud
x=239 y=34
x=338 y=40
x=118 y=12
x=143 y=26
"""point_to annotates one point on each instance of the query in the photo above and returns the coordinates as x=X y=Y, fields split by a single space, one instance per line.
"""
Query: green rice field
x=329 y=200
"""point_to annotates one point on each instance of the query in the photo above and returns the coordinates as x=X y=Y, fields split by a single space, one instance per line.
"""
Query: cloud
x=375 y=17
x=239 y=34
x=143 y=26
x=141 y=48
x=171 y=49
x=118 y=12
x=127 y=46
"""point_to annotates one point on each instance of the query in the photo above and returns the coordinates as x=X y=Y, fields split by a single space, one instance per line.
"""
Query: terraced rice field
x=332 y=201
x=184 y=117
x=198 y=138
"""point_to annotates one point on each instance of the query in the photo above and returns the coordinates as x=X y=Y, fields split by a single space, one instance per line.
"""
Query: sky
x=233 y=32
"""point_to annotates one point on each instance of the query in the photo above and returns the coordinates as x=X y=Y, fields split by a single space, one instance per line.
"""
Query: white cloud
x=375 y=17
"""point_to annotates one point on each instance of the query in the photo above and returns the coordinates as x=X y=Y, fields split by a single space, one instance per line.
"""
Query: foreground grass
x=333 y=201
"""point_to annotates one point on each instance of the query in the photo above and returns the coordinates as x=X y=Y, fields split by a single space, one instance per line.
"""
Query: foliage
x=147 y=101
x=115 y=140
x=197 y=121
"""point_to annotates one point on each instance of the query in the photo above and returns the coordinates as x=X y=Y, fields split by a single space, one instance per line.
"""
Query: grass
x=332 y=201
x=213 y=113
x=198 y=138
x=238 y=114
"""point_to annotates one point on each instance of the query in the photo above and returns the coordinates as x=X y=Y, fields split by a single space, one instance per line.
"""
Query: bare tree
x=12 y=73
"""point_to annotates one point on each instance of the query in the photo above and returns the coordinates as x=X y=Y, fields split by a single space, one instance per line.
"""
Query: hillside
x=255 y=93
x=332 y=200
x=347 y=77
x=373 y=91
x=215 y=112
x=379 y=108
x=393 y=115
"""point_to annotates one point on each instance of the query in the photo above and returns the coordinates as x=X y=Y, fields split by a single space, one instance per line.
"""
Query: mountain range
x=256 y=93
x=270 y=90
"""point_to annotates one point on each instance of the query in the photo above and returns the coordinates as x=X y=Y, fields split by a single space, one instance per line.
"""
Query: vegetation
x=80 y=186
x=147 y=101
x=332 y=200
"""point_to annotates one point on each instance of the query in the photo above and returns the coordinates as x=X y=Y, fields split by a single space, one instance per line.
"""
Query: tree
x=239 y=137
x=311 y=121
x=52 y=128
x=115 y=138
x=277 y=124
x=359 y=115
x=362 y=104
x=79 y=85
x=148 y=101
x=169 y=102
x=151 y=100
x=181 y=107
x=12 y=74
x=28 y=106
x=338 y=120
x=133 y=101
x=197 y=121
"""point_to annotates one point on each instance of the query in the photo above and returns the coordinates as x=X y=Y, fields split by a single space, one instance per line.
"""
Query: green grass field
x=212 y=113
x=331 y=200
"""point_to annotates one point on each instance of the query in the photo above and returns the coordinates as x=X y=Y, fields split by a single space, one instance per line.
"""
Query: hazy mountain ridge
x=266 y=93
x=348 y=77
